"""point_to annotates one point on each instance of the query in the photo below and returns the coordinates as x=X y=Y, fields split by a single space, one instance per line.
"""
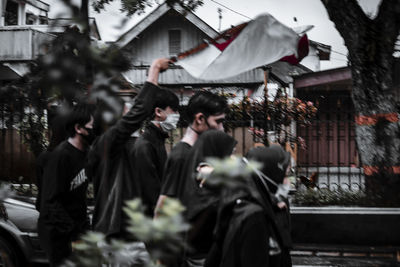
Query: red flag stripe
x=302 y=51
x=228 y=35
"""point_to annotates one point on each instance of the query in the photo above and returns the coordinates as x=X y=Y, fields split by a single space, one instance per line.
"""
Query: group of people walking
x=235 y=227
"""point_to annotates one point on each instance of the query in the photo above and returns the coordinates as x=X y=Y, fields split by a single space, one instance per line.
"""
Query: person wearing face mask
x=204 y=111
x=63 y=206
x=149 y=153
x=109 y=161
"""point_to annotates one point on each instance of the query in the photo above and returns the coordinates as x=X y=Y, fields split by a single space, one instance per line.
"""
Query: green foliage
x=132 y=7
x=73 y=69
x=327 y=197
x=265 y=115
x=230 y=172
x=163 y=237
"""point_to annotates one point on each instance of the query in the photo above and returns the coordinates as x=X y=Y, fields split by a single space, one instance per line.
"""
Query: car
x=19 y=240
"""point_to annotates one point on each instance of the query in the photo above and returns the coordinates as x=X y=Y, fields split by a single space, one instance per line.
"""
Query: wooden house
x=168 y=31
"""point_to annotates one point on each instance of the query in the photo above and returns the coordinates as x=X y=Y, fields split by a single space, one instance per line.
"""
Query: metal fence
x=17 y=163
x=330 y=158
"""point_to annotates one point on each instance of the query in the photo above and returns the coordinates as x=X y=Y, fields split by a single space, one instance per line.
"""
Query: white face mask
x=170 y=122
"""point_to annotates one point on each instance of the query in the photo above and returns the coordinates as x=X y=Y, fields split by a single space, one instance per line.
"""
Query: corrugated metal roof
x=178 y=76
x=280 y=71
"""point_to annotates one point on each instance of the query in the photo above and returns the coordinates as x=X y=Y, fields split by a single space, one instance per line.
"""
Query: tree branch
x=346 y=15
x=388 y=21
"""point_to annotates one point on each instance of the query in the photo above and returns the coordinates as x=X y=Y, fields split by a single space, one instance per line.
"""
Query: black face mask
x=90 y=137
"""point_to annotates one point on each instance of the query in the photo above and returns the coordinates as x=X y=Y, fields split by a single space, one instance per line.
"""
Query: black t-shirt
x=64 y=185
x=148 y=165
x=172 y=180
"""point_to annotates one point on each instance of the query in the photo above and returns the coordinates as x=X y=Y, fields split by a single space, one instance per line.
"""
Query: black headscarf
x=257 y=192
x=212 y=143
x=275 y=161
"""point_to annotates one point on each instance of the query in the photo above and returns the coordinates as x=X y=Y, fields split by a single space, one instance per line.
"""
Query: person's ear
x=158 y=112
x=199 y=118
x=78 y=128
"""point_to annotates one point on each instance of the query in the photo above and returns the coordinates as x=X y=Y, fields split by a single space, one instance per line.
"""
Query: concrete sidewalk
x=314 y=261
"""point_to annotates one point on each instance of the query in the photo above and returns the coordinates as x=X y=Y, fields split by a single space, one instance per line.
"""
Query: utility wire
x=338 y=53
x=230 y=9
x=234 y=11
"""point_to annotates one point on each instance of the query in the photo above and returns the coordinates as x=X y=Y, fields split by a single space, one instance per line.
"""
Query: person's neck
x=156 y=123
x=77 y=142
x=190 y=136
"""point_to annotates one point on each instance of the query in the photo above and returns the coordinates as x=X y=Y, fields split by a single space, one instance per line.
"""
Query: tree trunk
x=371 y=46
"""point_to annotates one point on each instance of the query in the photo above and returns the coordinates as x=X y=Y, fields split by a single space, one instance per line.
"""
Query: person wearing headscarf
x=200 y=203
x=246 y=232
x=270 y=182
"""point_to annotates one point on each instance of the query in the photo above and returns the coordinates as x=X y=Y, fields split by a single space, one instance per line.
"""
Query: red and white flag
x=259 y=42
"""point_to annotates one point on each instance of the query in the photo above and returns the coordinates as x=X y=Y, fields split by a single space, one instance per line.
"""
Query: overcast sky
x=307 y=12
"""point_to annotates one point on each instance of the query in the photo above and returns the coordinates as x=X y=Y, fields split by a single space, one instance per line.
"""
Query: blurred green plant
x=230 y=172
x=132 y=7
x=156 y=240
x=327 y=197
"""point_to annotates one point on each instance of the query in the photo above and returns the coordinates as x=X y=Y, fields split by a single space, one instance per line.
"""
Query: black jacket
x=148 y=165
x=244 y=237
x=110 y=169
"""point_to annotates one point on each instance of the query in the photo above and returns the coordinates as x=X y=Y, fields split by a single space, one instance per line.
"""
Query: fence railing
x=330 y=157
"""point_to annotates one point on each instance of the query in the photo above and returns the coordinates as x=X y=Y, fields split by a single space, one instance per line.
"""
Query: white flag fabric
x=259 y=42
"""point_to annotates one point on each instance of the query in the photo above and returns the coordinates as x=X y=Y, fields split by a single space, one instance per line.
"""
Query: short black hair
x=80 y=114
x=166 y=98
x=208 y=103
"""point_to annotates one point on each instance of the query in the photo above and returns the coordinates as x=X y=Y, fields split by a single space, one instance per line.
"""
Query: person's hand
x=203 y=171
x=281 y=205
x=162 y=63
x=158 y=65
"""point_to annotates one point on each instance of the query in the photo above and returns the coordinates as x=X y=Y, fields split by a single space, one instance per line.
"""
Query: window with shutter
x=11 y=14
x=174 y=42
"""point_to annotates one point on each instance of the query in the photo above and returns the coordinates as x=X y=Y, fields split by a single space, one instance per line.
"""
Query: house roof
x=320 y=78
x=281 y=71
x=127 y=37
x=39 y=4
x=324 y=51
x=58 y=25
